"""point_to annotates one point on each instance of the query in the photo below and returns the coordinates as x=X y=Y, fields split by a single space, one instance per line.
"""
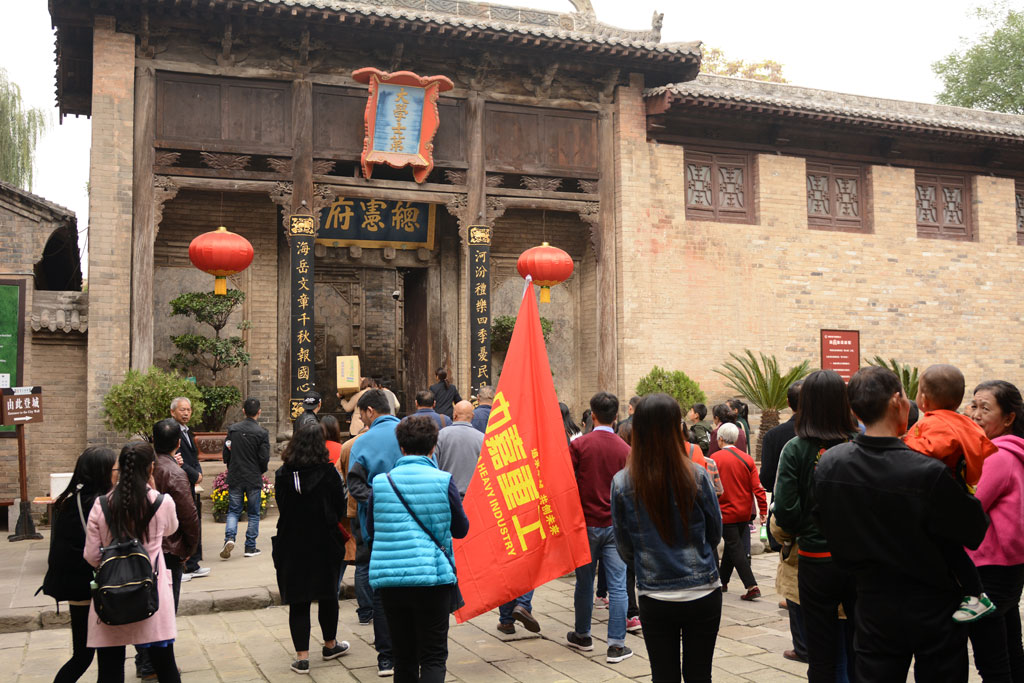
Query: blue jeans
x=235 y=495
x=364 y=594
x=505 y=611
x=602 y=546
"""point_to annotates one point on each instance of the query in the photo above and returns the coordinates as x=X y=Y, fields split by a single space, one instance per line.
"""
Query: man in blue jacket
x=376 y=452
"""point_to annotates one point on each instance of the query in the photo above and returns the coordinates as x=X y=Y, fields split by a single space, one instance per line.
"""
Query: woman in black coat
x=309 y=546
x=445 y=394
x=68 y=574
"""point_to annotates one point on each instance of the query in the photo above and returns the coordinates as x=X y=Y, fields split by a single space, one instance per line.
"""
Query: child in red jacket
x=959 y=442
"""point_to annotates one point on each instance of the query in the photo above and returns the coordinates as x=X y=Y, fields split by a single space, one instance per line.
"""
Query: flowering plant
x=220 y=493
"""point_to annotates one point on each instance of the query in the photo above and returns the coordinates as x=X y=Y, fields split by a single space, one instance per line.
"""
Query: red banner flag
x=526 y=525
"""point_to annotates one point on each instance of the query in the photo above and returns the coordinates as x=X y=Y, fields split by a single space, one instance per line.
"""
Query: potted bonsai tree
x=207 y=357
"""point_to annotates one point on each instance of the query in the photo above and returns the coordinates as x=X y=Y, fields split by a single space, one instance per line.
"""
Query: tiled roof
x=575 y=26
x=27 y=196
x=811 y=101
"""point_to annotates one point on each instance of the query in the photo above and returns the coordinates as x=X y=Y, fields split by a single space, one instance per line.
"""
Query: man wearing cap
x=311 y=406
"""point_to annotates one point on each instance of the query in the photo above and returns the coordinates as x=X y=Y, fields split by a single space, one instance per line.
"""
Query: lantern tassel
x=220 y=285
x=545 y=295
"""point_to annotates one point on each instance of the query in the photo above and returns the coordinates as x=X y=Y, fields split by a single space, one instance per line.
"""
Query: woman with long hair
x=332 y=437
x=68 y=574
x=572 y=430
x=667 y=525
x=998 y=408
x=823 y=421
x=722 y=414
x=446 y=395
x=742 y=416
x=130 y=504
x=309 y=546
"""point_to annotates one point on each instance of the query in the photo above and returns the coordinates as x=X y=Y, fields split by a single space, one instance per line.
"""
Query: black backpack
x=125 y=588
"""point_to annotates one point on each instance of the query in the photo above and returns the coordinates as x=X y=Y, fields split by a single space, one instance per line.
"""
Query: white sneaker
x=186 y=577
x=201 y=572
x=225 y=552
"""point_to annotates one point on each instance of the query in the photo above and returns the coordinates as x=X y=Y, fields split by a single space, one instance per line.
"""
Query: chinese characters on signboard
x=840 y=351
x=377 y=223
x=401 y=119
x=301 y=236
x=21 y=405
x=521 y=507
x=480 y=304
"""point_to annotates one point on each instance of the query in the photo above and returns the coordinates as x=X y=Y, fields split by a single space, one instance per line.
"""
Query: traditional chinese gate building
x=245 y=114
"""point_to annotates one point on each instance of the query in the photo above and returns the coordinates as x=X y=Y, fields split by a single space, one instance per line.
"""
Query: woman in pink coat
x=129 y=505
x=998 y=651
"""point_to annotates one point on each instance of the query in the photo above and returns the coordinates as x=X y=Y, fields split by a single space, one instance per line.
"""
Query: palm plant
x=906 y=372
x=761 y=383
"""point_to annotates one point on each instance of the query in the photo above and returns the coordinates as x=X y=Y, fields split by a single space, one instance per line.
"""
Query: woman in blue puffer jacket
x=415 y=511
x=669 y=533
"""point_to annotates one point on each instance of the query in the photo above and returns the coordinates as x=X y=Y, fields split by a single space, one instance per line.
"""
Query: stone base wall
x=693 y=291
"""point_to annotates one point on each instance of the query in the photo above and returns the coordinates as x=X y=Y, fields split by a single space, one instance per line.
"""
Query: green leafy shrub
x=132 y=407
x=501 y=331
x=675 y=383
x=214 y=354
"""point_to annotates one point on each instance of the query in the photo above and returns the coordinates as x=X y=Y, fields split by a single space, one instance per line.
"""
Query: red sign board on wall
x=840 y=351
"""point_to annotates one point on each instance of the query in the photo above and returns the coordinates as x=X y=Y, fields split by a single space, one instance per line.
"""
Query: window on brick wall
x=718 y=186
x=835 y=196
x=943 y=206
x=1019 y=203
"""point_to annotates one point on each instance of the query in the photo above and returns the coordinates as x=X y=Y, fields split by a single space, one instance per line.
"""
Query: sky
x=879 y=48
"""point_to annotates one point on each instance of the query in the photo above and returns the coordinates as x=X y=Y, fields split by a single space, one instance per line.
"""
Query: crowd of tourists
x=899 y=527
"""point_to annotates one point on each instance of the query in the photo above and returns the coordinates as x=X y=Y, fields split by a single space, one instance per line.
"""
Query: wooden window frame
x=1018 y=200
x=940 y=229
x=717 y=159
x=833 y=171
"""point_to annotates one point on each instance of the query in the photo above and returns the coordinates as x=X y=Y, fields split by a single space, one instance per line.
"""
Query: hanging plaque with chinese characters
x=401 y=119
x=377 y=223
x=480 y=304
x=301 y=236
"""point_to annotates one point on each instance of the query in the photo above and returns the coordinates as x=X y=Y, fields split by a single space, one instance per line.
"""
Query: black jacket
x=885 y=509
x=247 y=455
x=190 y=456
x=445 y=398
x=774 y=439
x=67 y=573
x=309 y=548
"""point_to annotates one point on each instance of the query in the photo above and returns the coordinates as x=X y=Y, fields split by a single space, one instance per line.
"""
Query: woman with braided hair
x=129 y=505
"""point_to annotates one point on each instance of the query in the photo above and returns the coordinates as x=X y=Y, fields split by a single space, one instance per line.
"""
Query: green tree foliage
x=501 y=331
x=715 y=62
x=988 y=73
x=132 y=407
x=759 y=381
x=675 y=383
x=906 y=372
x=20 y=130
x=214 y=354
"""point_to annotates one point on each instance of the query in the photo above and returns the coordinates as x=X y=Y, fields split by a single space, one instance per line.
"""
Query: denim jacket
x=659 y=566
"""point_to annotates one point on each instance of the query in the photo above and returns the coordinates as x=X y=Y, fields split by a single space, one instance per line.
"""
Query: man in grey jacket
x=458 y=446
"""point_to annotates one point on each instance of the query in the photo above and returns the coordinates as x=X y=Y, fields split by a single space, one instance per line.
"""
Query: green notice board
x=11 y=303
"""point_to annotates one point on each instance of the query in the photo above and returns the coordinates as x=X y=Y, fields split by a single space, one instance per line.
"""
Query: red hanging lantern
x=547 y=265
x=220 y=253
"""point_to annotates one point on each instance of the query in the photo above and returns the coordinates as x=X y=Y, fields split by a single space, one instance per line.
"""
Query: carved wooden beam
x=226 y=162
x=164 y=190
x=495 y=209
x=591 y=215
x=323 y=196
x=281 y=194
x=455 y=177
x=541 y=183
x=494 y=180
x=166 y=158
x=588 y=186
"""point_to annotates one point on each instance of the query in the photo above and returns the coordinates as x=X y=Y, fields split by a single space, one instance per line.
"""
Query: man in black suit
x=246 y=453
x=181 y=411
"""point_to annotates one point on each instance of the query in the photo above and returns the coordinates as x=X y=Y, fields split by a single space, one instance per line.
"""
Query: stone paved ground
x=254 y=645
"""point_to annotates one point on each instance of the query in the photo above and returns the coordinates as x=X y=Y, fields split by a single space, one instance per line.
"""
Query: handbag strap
x=745 y=463
x=81 y=515
x=153 y=507
x=416 y=519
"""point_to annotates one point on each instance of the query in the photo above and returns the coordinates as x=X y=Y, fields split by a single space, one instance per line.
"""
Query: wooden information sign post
x=20 y=406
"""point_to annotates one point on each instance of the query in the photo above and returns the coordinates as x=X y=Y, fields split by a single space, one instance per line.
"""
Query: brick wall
x=692 y=291
x=256 y=218
x=110 y=217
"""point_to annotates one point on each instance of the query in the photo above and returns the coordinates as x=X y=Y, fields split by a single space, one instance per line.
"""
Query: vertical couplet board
x=301 y=236
x=480 y=304
x=840 y=351
x=12 y=332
